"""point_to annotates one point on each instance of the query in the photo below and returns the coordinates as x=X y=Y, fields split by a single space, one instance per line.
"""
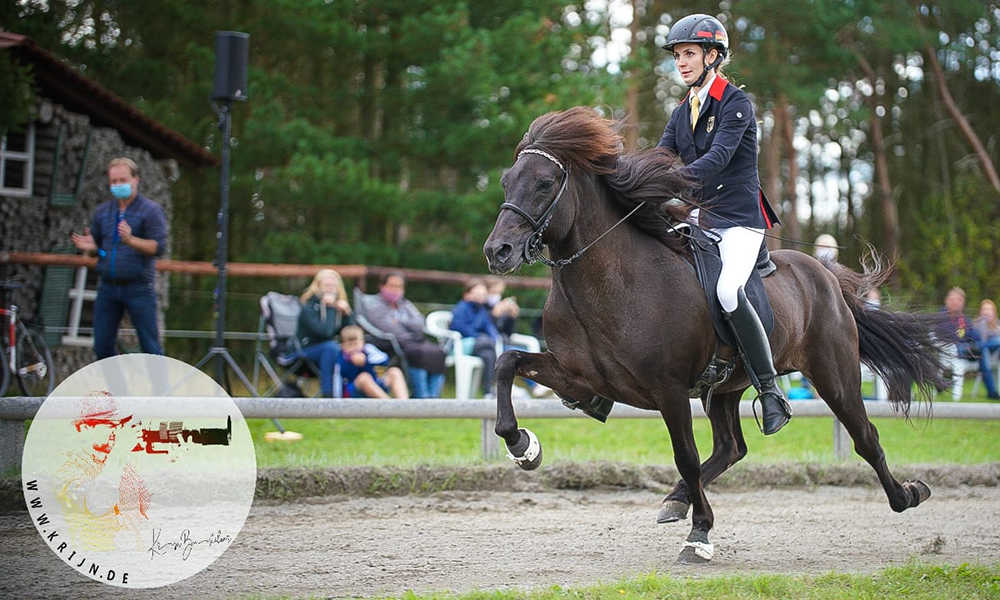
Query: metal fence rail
x=15 y=410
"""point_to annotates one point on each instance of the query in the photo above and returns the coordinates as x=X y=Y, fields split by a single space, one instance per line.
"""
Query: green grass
x=643 y=441
x=911 y=582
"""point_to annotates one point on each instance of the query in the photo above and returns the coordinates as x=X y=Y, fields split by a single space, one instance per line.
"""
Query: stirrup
x=787 y=412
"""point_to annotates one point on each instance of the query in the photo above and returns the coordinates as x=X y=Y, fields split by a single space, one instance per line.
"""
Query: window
x=17 y=162
x=81 y=316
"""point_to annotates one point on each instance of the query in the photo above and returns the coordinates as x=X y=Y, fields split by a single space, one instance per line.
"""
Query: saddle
x=704 y=247
x=708 y=265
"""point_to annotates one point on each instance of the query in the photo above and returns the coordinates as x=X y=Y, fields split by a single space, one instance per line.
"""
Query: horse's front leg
x=676 y=412
x=522 y=445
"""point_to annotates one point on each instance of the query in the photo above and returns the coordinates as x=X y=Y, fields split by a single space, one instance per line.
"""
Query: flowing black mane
x=583 y=140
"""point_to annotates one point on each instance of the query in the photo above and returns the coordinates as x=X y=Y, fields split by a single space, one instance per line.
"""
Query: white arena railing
x=14 y=411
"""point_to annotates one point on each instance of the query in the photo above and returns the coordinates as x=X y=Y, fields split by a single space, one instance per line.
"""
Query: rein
x=532 y=251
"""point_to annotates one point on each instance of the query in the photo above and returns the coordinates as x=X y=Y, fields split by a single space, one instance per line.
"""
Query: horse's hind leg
x=728 y=448
x=839 y=384
x=677 y=416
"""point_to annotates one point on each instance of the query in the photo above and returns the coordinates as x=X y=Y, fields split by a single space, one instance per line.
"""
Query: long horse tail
x=902 y=348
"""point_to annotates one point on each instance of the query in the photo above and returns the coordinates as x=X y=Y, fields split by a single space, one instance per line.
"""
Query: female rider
x=714 y=132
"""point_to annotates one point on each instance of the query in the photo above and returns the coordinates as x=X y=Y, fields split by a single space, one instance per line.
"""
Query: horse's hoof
x=672 y=511
x=527 y=452
x=697 y=549
x=920 y=490
x=690 y=556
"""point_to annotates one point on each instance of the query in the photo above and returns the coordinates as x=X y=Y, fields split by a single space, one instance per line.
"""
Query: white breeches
x=738 y=248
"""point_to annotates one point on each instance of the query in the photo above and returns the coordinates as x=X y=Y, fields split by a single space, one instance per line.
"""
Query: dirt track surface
x=339 y=546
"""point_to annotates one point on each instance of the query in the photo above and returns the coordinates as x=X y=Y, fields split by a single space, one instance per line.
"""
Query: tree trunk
x=772 y=171
x=633 y=80
x=963 y=124
x=849 y=222
x=785 y=124
x=883 y=189
x=811 y=175
x=942 y=152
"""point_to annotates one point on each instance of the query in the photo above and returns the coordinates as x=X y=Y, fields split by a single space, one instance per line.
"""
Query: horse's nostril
x=503 y=252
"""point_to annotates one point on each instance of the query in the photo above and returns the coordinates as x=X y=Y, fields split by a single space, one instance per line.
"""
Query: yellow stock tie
x=694 y=110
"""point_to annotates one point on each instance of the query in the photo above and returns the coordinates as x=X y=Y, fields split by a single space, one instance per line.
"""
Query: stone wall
x=32 y=225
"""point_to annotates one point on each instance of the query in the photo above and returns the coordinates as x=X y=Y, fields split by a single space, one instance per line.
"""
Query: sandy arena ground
x=342 y=546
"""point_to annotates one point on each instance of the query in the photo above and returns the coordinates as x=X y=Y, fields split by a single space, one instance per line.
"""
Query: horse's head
x=540 y=202
x=533 y=189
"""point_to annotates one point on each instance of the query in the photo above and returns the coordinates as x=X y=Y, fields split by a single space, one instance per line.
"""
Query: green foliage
x=376 y=131
x=953 y=243
x=17 y=90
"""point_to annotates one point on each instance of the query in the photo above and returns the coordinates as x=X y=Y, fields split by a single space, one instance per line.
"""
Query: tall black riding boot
x=756 y=351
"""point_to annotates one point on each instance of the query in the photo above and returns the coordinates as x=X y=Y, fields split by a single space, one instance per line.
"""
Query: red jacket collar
x=718 y=86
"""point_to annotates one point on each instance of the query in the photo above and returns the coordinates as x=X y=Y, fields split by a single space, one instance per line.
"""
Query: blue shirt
x=472 y=320
x=117 y=260
x=350 y=371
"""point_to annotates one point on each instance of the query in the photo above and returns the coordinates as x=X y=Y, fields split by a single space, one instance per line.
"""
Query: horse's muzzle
x=500 y=257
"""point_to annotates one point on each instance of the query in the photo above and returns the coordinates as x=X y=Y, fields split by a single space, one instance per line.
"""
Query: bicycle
x=26 y=356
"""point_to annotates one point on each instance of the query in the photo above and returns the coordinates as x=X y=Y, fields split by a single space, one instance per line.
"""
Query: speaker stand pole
x=219 y=351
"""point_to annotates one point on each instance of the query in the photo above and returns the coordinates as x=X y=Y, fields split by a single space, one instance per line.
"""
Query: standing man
x=126 y=234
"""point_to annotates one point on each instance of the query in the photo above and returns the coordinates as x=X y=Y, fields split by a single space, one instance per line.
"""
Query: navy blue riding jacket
x=721 y=154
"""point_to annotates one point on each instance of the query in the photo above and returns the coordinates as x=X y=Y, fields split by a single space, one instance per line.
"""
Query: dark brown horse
x=628 y=320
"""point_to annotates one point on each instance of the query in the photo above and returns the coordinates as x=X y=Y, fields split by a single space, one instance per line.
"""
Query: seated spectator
x=986 y=331
x=504 y=310
x=954 y=333
x=325 y=311
x=825 y=248
x=357 y=368
x=471 y=317
x=873 y=298
x=956 y=328
x=391 y=312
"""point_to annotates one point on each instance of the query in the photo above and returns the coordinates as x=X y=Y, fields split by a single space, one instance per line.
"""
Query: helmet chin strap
x=704 y=74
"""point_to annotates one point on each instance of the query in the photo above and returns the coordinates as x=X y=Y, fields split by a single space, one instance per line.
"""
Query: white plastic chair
x=468 y=368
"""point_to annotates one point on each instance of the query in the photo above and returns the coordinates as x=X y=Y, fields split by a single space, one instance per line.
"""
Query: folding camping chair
x=382 y=339
x=279 y=316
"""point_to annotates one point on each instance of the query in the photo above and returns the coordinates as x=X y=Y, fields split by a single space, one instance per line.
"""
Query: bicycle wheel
x=4 y=372
x=35 y=373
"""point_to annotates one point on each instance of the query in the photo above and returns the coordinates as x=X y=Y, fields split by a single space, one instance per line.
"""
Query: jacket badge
x=711 y=124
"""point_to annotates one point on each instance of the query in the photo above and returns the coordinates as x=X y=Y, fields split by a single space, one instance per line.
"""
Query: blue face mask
x=121 y=190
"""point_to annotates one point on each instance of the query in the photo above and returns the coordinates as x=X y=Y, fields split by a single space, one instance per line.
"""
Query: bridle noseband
x=532 y=250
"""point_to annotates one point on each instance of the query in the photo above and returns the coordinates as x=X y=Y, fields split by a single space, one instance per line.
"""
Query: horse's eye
x=544 y=185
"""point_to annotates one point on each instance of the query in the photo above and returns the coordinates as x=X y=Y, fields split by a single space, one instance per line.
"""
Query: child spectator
x=357 y=368
x=471 y=317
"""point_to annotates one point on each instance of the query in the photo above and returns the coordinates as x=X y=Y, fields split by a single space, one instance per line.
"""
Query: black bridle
x=532 y=250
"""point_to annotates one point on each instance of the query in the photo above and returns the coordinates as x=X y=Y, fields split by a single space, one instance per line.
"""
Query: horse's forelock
x=582 y=139
x=579 y=137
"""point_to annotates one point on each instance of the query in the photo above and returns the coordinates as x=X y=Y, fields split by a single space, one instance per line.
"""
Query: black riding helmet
x=704 y=30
